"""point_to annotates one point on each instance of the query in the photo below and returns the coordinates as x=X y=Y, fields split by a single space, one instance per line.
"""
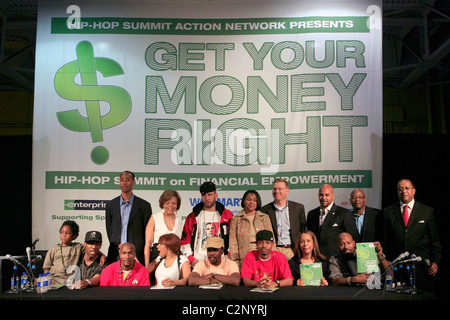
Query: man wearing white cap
x=215 y=269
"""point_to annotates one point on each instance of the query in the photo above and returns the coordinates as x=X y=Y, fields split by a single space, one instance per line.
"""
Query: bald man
x=418 y=234
x=367 y=219
x=328 y=220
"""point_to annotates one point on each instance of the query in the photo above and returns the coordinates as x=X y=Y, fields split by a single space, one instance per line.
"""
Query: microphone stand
x=16 y=288
x=412 y=278
x=390 y=269
x=32 y=287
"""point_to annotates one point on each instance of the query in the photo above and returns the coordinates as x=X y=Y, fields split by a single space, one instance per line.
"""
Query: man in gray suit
x=411 y=226
x=287 y=217
x=126 y=218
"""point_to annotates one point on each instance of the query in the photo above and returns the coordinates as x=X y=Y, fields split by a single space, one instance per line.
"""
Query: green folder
x=366 y=258
x=311 y=273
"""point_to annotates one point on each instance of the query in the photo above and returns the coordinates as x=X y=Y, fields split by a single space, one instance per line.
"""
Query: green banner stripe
x=104 y=25
x=224 y=181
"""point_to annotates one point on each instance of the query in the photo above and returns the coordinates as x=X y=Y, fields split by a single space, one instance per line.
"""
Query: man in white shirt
x=215 y=269
x=208 y=218
x=329 y=220
x=410 y=226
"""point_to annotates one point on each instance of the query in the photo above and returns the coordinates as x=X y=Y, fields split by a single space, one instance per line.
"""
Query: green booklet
x=366 y=258
x=311 y=273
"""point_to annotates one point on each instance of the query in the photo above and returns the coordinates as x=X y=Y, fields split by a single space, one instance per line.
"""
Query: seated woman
x=170 y=267
x=307 y=251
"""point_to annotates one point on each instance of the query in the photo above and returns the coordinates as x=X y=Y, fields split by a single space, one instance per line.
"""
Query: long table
x=226 y=293
x=226 y=303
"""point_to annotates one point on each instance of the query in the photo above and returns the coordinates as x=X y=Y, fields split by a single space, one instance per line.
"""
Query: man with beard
x=215 y=269
x=328 y=220
x=410 y=226
x=342 y=266
x=266 y=268
x=90 y=265
x=206 y=216
x=367 y=219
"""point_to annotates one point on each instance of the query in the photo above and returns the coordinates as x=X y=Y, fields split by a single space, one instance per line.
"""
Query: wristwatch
x=277 y=282
x=382 y=257
x=89 y=282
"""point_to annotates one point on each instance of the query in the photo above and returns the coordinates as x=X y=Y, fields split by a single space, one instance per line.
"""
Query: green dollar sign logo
x=91 y=93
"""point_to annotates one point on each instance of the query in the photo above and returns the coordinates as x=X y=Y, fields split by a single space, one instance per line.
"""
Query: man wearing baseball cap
x=89 y=263
x=208 y=218
x=266 y=268
x=215 y=269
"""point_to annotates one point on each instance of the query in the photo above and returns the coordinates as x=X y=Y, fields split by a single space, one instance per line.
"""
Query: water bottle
x=14 y=281
x=24 y=281
x=46 y=276
x=388 y=283
x=49 y=278
x=40 y=284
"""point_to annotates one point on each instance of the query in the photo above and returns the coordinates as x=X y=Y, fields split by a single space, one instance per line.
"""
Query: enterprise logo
x=85 y=204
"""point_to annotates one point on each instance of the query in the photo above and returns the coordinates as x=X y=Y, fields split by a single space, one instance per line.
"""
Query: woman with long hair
x=307 y=251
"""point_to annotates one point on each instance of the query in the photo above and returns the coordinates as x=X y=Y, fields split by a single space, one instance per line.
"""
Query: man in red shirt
x=264 y=268
x=127 y=271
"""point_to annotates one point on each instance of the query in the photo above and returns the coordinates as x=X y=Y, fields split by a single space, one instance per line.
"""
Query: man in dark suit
x=367 y=219
x=410 y=226
x=126 y=218
x=328 y=221
x=287 y=217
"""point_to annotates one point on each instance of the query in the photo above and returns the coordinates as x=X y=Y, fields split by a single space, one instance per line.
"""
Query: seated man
x=127 y=271
x=215 y=269
x=90 y=262
x=342 y=267
x=264 y=268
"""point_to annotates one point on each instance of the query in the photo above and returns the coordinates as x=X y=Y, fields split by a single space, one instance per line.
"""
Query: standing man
x=127 y=271
x=215 y=269
x=206 y=217
x=126 y=218
x=410 y=226
x=287 y=218
x=328 y=220
x=366 y=218
x=266 y=268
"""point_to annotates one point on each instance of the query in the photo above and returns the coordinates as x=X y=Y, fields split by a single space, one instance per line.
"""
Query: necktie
x=322 y=216
x=405 y=215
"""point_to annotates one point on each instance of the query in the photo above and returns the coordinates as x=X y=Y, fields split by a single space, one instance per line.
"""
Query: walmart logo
x=87 y=66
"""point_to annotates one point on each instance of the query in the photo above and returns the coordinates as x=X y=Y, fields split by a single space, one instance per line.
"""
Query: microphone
x=12 y=259
x=401 y=257
x=34 y=242
x=38 y=258
x=416 y=259
x=28 y=254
